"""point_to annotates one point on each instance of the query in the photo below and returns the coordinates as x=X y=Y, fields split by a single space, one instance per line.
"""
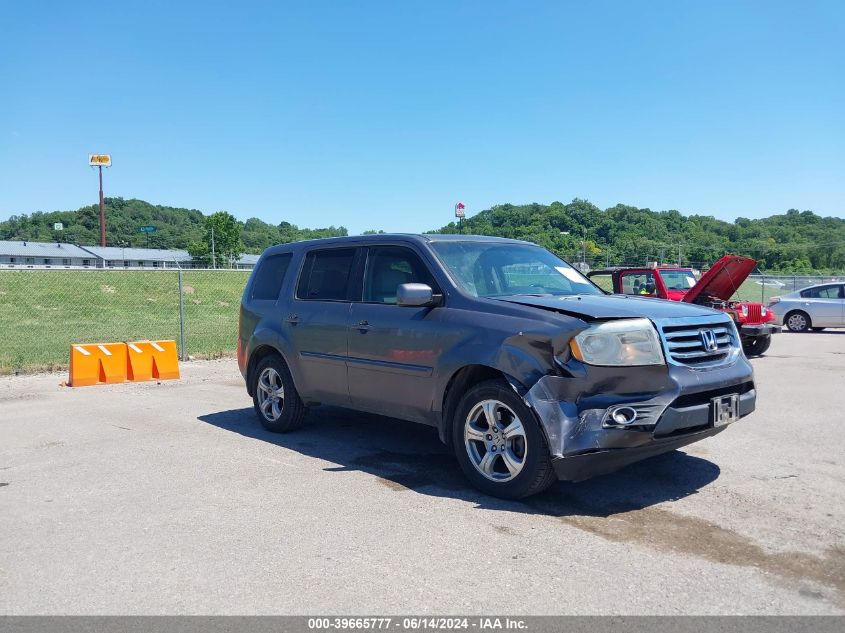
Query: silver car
x=813 y=308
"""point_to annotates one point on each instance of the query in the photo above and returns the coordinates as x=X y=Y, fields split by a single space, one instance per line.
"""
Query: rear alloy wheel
x=276 y=402
x=757 y=345
x=797 y=321
x=499 y=444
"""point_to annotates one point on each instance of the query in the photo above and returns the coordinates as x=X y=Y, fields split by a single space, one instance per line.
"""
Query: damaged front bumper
x=673 y=407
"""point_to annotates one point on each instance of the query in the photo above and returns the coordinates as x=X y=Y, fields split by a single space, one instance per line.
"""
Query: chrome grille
x=687 y=343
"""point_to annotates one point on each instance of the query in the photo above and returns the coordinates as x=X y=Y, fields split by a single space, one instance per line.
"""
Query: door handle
x=363 y=326
x=293 y=319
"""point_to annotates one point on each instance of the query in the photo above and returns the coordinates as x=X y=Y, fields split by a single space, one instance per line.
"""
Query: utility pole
x=213 y=257
x=584 y=250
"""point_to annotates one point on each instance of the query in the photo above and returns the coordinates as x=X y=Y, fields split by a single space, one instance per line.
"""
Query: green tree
x=221 y=245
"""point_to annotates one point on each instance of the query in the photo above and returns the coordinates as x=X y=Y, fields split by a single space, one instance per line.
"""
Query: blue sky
x=384 y=114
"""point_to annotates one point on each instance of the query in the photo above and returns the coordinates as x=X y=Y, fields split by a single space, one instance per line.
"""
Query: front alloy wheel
x=494 y=439
x=498 y=442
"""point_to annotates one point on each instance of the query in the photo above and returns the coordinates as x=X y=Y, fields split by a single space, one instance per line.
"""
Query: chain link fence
x=43 y=312
x=763 y=287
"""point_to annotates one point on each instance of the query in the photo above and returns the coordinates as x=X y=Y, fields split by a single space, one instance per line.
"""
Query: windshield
x=677 y=279
x=487 y=269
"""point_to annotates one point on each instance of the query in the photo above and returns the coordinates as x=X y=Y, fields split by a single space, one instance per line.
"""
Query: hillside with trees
x=175 y=227
x=794 y=242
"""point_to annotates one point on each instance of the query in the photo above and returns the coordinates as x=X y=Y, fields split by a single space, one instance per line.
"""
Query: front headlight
x=622 y=342
x=764 y=311
x=745 y=310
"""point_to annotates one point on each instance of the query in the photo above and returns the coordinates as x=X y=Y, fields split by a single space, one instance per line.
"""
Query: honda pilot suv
x=527 y=370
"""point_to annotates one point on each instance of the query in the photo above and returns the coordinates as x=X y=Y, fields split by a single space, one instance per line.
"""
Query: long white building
x=26 y=254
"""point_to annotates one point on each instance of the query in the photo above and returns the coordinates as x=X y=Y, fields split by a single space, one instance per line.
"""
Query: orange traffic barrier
x=152 y=360
x=97 y=364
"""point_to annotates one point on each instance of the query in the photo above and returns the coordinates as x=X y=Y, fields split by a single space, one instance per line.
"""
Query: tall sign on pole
x=460 y=213
x=99 y=161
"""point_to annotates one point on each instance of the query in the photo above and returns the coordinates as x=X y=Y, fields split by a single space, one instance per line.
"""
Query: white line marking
x=104 y=350
x=81 y=350
x=157 y=346
x=135 y=348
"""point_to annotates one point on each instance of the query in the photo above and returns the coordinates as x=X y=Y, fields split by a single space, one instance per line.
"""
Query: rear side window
x=638 y=284
x=823 y=292
x=605 y=282
x=269 y=277
x=325 y=275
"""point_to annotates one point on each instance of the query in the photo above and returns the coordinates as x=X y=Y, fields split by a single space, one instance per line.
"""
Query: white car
x=813 y=308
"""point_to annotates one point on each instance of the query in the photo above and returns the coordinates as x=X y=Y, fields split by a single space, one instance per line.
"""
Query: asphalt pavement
x=170 y=499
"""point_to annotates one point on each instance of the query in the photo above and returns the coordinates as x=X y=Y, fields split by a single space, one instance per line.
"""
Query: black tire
x=535 y=473
x=288 y=412
x=797 y=321
x=818 y=329
x=757 y=345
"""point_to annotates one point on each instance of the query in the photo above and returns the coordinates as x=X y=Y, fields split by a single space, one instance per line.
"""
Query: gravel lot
x=170 y=499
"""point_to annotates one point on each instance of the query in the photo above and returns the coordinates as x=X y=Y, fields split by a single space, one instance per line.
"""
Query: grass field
x=43 y=311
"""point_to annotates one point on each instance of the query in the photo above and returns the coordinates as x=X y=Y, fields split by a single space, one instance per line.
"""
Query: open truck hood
x=723 y=278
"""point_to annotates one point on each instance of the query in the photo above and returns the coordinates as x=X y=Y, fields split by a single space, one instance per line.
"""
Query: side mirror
x=415 y=295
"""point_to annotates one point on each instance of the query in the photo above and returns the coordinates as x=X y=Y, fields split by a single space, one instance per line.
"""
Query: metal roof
x=41 y=249
x=248 y=258
x=137 y=254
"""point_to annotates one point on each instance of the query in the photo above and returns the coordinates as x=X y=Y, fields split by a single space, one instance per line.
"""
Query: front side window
x=638 y=284
x=269 y=277
x=325 y=275
x=387 y=268
x=490 y=269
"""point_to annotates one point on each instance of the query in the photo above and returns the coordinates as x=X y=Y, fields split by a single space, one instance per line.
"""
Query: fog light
x=623 y=416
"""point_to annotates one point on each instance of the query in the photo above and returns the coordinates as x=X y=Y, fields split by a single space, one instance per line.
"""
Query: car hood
x=723 y=278
x=590 y=307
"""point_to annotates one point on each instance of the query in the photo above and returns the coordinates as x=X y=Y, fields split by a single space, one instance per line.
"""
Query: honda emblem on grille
x=708 y=339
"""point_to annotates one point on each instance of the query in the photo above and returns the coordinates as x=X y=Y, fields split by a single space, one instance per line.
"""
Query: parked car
x=812 y=308
x=714 y=289
x=525 y=368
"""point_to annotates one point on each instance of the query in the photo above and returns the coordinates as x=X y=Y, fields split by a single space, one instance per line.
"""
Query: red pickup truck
x=714 y=290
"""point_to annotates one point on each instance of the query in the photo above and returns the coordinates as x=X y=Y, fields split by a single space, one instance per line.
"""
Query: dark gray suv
x=527 y=370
